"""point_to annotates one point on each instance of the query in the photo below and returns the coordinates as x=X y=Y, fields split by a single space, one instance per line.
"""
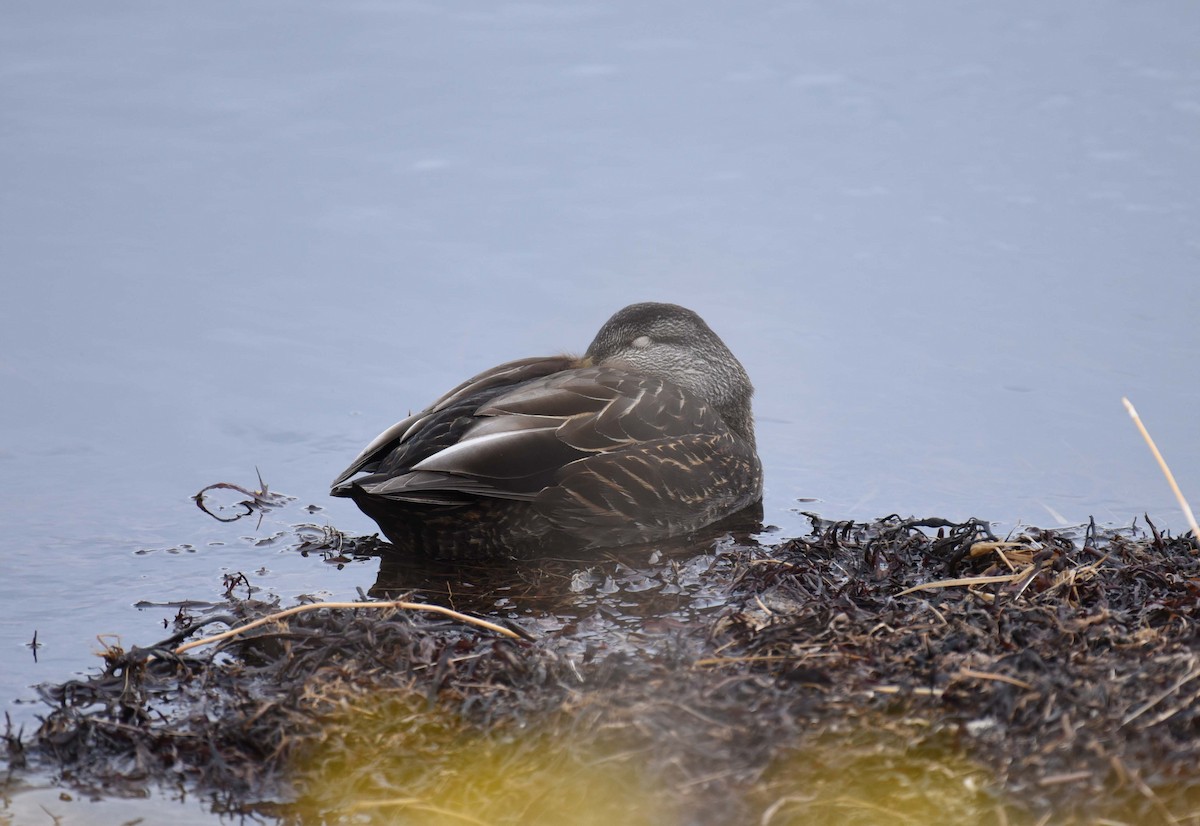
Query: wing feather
x=410 y=440
x=588 y=445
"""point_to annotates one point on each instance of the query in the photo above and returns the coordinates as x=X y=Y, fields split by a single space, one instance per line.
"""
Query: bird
x=649 y=435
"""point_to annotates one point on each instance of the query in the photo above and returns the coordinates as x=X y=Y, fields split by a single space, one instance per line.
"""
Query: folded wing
x=586 y=445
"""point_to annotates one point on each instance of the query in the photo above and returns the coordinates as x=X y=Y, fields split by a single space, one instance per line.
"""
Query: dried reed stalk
x=1162 y=463
x=315 y=606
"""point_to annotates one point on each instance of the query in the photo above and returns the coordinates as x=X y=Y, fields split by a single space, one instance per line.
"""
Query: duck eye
x=640 y=343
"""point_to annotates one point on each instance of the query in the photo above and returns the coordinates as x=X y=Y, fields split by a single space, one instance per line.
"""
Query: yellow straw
x=1162 y=463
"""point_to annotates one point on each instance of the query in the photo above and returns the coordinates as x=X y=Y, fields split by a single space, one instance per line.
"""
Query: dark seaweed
x=743 y=683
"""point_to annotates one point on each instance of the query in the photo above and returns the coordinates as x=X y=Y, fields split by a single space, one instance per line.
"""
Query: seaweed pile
x=898 y=671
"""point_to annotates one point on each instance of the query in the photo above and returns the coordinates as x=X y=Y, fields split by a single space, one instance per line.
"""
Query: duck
x=648 y=436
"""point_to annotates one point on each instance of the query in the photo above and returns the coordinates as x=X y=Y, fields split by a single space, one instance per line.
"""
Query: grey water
x=945 y=239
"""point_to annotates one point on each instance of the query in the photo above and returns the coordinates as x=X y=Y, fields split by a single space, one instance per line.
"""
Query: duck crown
x=672 y=343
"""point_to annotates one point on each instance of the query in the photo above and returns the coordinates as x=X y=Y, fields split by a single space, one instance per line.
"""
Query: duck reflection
x=652 y=587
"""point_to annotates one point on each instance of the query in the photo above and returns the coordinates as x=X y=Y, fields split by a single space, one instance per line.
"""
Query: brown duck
x=648 y=436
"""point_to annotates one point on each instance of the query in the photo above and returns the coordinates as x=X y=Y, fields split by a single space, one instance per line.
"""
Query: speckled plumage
x=648 y=436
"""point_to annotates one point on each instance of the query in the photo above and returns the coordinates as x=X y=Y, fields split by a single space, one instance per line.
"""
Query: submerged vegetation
x=899 y=671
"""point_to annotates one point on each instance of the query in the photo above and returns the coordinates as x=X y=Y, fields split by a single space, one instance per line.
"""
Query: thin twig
x=984 y=547
x=759 y=658
x=1192 y=674
x=1068 y=777
x=967 y=580
x=1000 y=678
x=917 y=691
x=1162 y=463
x=314 y=606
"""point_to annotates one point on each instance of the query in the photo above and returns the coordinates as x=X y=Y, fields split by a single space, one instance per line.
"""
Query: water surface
x=945 y=240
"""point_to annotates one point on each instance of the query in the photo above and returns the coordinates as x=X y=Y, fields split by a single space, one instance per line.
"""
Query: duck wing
x=439 y=425
x=604 y=433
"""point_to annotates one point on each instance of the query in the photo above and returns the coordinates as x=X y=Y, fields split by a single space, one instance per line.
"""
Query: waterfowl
x=649 y=435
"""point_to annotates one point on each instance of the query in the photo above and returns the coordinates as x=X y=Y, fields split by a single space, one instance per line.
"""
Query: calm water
x=945 y=239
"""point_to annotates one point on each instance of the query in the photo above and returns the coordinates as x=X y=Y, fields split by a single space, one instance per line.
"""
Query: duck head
x=673 y=343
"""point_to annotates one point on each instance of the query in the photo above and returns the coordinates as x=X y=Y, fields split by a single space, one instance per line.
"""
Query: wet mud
x=899 y=671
